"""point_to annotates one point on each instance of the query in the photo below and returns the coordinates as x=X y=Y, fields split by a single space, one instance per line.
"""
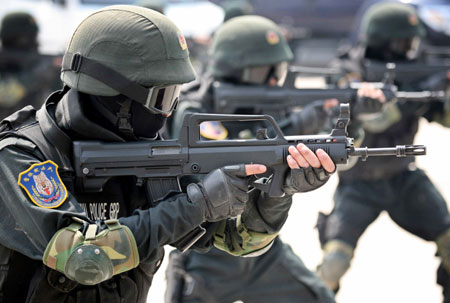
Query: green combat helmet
x=249 y=49
x=157 y=5
x=19 y=30
x=387 y=21
x=129 y=50
x=236 y=8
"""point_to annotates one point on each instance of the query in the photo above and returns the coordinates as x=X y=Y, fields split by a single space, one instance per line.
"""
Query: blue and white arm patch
x=43 y=185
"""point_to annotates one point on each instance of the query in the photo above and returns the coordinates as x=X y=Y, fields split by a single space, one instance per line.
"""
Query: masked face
x=406 y=48
x=145 y=123
x=140 y=121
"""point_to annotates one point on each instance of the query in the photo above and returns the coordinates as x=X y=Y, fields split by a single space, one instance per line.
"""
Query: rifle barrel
x=424 y=96
x=398 y=151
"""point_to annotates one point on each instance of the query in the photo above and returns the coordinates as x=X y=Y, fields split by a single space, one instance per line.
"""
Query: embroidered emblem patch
x=213 y=130
x=272 y=38
x=43 y=185
x=182 y=41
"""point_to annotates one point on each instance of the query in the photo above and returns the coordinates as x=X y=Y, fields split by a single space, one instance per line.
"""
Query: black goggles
x=163 y=99
x=262 y=74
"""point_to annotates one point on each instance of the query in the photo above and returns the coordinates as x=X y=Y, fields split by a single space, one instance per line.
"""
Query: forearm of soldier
x=265 y=214
x=310 y=120
x=252 y=233
x=378 y=123
x=164 y=224
x=440 y=113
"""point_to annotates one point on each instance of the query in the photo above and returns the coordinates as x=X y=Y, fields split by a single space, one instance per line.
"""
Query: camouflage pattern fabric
x=243 y=243
x=92 y=258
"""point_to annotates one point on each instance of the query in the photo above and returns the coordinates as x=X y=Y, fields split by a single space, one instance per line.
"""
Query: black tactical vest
x=26 y=280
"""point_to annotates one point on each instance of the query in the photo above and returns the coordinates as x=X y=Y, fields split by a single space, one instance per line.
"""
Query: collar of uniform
x=70 y=117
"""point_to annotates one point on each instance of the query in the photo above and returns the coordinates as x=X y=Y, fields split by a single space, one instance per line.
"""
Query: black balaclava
x=129 y=119
x=86 y=116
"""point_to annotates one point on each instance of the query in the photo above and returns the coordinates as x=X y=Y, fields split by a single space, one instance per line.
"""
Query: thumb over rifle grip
x=274 y=186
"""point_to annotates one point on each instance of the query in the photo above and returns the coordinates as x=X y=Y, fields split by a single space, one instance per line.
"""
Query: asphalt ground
x=390 y=265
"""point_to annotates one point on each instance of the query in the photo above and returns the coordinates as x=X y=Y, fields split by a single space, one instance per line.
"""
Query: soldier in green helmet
x=236 y=8
x=390 y=32
x=26 y=76
x=156 y=5
x=60 y=242
x=247 y=50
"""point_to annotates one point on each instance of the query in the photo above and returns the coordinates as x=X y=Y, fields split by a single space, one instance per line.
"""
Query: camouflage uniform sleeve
x=439 y=112
x=252 y=233
x=379 y=122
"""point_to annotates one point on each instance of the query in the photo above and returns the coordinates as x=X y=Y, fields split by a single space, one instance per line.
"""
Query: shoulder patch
x=43 y=185
x=213 y=130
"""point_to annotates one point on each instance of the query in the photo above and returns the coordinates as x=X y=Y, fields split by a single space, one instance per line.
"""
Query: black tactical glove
x=310 y=120
x=366 y=105
x=305 y=179
x=222 y=193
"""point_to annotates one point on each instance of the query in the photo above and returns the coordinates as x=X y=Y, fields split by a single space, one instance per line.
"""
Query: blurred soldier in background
x=236 y=8
x=247 y=50
x=26 y=77
x=156 y=5
x=199 y=46
x=391 y=32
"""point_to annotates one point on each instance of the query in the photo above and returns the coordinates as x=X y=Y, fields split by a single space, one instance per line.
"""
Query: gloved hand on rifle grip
x=308 y=170
x=223 y=192
x=369 y=100
x=305 y=179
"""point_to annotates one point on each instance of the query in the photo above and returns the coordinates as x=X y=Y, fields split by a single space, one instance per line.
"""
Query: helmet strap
x=80 y=64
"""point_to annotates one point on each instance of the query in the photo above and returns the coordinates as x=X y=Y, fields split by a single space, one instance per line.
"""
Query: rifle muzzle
x=398 y=151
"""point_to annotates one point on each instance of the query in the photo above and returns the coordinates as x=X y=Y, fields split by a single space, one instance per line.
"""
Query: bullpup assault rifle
x=230 y=98
x=162 y=163
x=374 y=71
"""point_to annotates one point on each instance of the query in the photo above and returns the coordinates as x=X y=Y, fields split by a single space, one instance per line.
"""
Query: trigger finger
x=235 y=170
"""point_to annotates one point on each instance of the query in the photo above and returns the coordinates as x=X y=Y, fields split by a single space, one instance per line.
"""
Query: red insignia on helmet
x=182 y=41
x=272 y=38
x=413 y=20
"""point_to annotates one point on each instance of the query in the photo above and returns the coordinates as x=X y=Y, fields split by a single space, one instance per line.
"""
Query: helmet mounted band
x=159 y=100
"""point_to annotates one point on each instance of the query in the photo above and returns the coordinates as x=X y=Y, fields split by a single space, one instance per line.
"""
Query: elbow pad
x=90 y=257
